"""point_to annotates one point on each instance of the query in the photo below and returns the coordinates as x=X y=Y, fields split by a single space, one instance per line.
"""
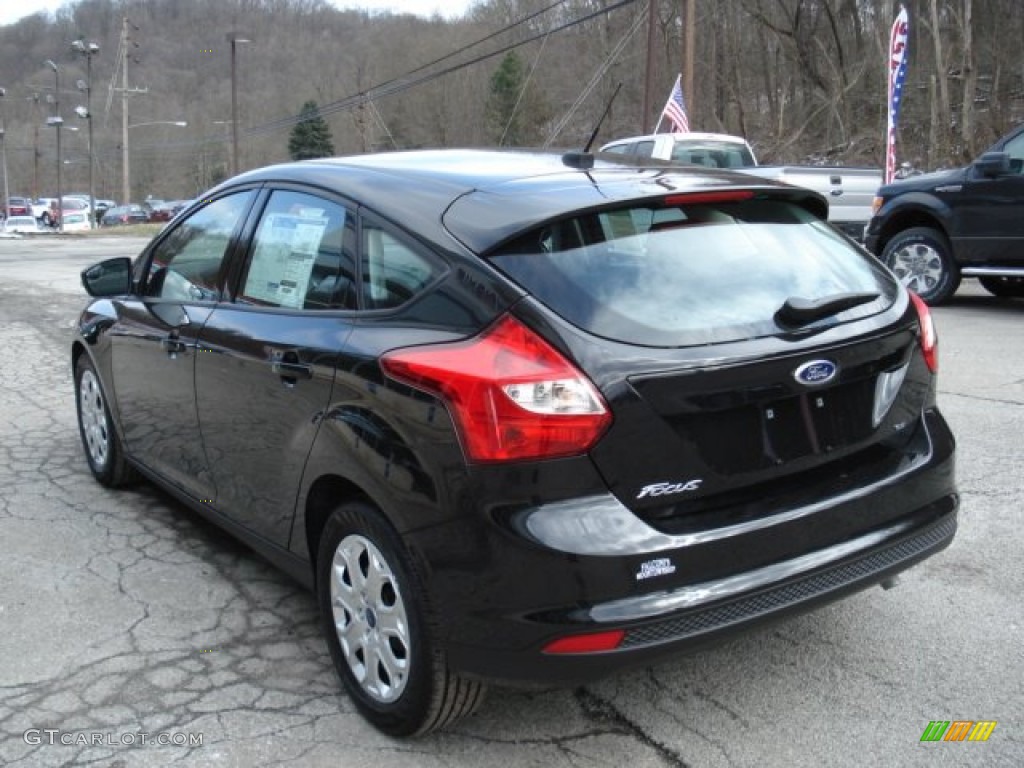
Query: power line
x=404 y=82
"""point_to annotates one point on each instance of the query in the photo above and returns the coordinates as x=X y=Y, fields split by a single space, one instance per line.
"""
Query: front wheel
x=380 y=628
x=103 y=449
x=923 y=261
x=1004 y=287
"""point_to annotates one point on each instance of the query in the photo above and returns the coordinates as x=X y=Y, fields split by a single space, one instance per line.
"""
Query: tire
x=923 y=261
x=381 y=631
x=102 y=446
x=1004 y=287
x=47 y=222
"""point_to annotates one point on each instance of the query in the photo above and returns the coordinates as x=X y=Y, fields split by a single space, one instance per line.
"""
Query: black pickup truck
x=932 y=230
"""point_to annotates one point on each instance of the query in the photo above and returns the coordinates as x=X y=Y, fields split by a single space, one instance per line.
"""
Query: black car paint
x=352 y=432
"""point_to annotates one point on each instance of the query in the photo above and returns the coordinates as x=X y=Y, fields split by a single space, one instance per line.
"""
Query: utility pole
x=3 y=149
x=126 y=191
x=126 y=46
x=235 y=39
x=688 y=58
x=88 y=49
x=645 y=120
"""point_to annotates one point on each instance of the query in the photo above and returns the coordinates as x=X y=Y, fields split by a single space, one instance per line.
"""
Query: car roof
x=483 y=197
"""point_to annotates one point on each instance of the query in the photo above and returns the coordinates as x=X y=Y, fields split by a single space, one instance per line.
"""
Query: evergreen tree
x=310 y=137
x=515 y=110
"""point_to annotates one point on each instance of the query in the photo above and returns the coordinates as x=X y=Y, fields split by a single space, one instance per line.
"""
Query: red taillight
x=512 y=395
x=707 y=198
x=595 y=642
x=929 y=340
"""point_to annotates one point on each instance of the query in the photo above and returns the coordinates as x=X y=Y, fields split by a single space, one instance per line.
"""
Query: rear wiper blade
x=798 y=311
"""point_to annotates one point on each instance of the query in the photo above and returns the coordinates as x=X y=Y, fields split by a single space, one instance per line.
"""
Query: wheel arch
x=323 y=497
x=909 y=219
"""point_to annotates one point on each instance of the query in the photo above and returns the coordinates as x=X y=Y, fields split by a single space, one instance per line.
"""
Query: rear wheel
x=923 y=261
x=1004 y=287
x=103 y=449
x=380 y=630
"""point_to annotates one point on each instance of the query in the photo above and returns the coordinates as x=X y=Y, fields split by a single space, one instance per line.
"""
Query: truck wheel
x=1004 y=287
x=380 y=629
x=923 y=261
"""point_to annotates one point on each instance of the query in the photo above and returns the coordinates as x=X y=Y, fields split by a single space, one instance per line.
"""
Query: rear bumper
x=788 y=589
x=505 y=588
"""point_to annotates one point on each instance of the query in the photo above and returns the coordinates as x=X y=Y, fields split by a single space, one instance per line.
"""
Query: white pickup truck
x=850 y=191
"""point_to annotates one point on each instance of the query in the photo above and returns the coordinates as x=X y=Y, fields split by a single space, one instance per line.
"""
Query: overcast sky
x=12 y=10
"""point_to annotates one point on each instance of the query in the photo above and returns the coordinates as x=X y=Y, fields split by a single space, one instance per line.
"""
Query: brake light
x=707 y=198
x=929 y=340
x=595 y=642
x=511 y=394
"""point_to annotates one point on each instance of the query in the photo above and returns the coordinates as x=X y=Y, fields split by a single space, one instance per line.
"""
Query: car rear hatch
x=753 y=360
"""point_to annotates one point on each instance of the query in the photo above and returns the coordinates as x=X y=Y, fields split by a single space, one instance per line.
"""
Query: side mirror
x=108 y=278
x=993 y=164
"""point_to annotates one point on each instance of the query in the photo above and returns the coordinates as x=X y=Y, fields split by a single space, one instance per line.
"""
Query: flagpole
x=661 y=117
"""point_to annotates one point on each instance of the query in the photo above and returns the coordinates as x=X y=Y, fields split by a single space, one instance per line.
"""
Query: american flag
x=675 y=109
x=897 y=74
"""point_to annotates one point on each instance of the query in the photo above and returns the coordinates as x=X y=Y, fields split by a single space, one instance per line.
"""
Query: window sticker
x=286 y=249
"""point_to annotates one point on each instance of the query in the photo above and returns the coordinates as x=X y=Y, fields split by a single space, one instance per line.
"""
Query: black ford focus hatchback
x=515 y=418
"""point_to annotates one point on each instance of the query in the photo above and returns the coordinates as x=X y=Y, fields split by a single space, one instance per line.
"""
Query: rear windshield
x=684 y=275
x=712 y=154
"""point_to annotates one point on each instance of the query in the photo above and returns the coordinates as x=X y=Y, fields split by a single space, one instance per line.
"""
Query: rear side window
x=394 y=270
x=682 y=275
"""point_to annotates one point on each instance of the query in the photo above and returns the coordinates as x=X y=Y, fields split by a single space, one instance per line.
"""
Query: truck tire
x=1004 y=287
x=923 y=261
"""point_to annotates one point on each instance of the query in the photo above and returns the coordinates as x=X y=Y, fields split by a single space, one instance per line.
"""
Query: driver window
x=1015 y=149
x=186 y=265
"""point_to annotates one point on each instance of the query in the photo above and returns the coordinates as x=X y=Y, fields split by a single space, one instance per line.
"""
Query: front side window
x=685 y=274
x=186 y=265
x=302 y=255
x=1015 y=149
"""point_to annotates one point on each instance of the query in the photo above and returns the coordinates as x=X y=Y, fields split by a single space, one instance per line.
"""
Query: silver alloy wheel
x=94 y=419
x=918 y=266
x=370 y=618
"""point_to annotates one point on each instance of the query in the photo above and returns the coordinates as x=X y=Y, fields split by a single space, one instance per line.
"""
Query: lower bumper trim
x=845 y=575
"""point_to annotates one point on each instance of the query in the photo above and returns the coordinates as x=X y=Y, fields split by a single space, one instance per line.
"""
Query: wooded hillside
x=803 y=80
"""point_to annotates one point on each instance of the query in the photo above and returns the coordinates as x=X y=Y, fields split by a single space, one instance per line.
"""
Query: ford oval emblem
x=816 y=372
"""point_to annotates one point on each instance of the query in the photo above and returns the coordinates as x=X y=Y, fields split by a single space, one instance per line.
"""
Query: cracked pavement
x=121 y=612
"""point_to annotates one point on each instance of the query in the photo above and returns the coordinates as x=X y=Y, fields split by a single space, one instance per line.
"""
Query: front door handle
x=291 y=372
x=173 y=346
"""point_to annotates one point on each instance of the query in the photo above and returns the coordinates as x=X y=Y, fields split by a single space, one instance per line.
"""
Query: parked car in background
x=709 y=150
x=21 y=224
x=76 y=220
x=18 y=206
x=122 y=215
x=40 y=209
x=517 y=416
x=936 y=228
x=102 y=206
x=161 y=212
x=849 y=191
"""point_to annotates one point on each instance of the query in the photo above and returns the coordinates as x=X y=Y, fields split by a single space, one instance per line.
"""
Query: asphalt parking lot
x=123 y=614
